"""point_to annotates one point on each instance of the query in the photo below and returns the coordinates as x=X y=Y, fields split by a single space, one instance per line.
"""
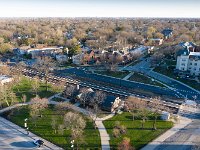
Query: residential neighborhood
x=100 y=75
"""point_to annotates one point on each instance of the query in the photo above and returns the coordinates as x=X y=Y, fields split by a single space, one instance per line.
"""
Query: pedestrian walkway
x=105 y=138
x=23 y=132
x=128 y=76
x=98 y=121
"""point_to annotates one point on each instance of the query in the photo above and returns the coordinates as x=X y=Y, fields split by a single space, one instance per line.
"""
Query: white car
x=38 y=142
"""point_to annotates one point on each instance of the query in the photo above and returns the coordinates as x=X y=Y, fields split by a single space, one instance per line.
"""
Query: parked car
x=38 y=142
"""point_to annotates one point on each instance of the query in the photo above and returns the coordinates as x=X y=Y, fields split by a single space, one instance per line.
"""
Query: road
x=118 y=82
x=180 y=88
x=10 y=138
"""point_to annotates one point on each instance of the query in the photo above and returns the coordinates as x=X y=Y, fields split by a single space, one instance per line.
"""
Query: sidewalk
x=128 y=76
x=105 y=138
x=177 y=127
x=47 y=145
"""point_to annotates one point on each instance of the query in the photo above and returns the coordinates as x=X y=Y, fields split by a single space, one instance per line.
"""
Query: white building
x=78 y=59
x=5 y=79
x=50 y=51
x=61 y=58
x=188 y=62
x=141 y=50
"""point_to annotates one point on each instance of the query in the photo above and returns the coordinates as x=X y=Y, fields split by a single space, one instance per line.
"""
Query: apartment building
x=188 y=61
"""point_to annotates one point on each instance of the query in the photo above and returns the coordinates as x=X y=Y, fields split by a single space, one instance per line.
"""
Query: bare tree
x=54 y=123
x=85 y=96
x=38 y=104
x=70 y=91
x=62 y=107
x=75 y=123
x=125 y=144
x=35 y=85
x=45 y=65
x=155 y=106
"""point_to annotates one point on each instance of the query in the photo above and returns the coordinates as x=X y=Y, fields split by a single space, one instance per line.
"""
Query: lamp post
x=72 y=144
x=26 y=126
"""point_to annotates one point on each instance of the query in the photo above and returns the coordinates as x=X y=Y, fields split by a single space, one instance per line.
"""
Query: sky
x=100 y=8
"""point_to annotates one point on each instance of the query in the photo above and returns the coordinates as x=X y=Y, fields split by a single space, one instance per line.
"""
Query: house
x=141 y=50
x=188 y=61
x=167 y=33
x=78 y=59
x=5 y=79
x=110 y=103
x=61 y=58
x=157 y=41
x=189 y=45
x=89 y=57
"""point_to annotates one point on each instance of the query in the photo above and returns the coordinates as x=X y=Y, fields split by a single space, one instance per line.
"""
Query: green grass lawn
x=116 y=74
x=143 y=79
x=24 y=88
x=44 y=129
x=139 y=137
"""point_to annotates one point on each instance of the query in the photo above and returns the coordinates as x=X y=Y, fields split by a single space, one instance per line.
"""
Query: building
x=62 y=58
x=78 y=59
x=141 y=50
x=110 y=103
x=188 y=61
x=5 y=79
x=167 y=33
x=38 y=51
x=190 y=45
x=157 y=41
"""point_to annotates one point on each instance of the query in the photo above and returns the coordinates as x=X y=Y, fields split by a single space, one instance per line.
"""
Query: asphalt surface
x=11 y=138
x=187 y=138
x=144 y=67
x=118 y=82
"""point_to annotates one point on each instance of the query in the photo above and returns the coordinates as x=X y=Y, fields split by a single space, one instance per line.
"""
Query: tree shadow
x=23 y=144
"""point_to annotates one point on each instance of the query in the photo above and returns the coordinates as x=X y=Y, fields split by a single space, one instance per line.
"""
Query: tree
x=54 y=123
x=24 y=98
x=7 y=95
x=38 y=104
x=35 y=85
x=132 y=104
x=5 y=47
x=125 y=144
x=75 y=123
x=44 y=65
x=70 y=91
x=155 y=105
x=62 y=107
x=85 y=96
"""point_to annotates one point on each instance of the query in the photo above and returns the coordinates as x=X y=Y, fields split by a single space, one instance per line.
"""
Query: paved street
x=11 y=138
x=180 y=88
x=118 y=82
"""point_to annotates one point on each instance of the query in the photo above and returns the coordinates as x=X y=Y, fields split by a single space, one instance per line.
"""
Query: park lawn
x=116 y=74
x=43 y=128
x=139 y=137
x=143 y=79
x=24 y=88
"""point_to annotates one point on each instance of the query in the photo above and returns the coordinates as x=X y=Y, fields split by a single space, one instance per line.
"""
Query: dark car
x=38 y=142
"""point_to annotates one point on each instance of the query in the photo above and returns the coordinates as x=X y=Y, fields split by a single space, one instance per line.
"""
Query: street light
x=72 y=144
x=25 y=125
